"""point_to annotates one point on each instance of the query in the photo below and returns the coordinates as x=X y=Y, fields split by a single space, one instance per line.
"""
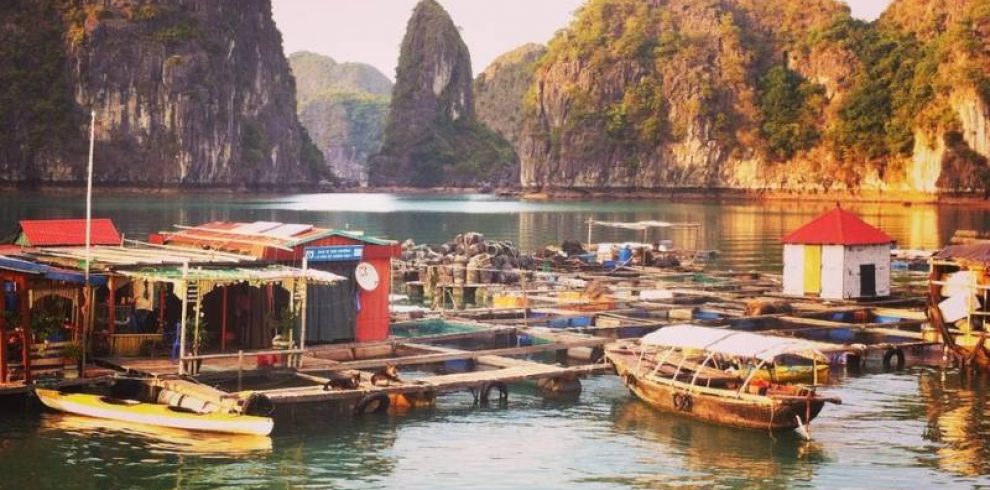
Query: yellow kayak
x=136 y=412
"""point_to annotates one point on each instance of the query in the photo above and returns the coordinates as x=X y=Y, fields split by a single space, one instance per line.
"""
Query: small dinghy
x=136 y=412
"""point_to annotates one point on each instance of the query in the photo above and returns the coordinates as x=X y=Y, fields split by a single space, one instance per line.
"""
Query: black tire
x=259 y=404
x=503 y=391
x=889 y=355
x=379 y=400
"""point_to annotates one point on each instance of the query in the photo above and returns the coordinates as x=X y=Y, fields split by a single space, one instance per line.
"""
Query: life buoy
x=890 y=355
x=379 y=400
x=503 y=391
x=683 y=402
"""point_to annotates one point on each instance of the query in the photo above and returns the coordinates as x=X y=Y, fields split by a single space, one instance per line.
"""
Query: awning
x=49 y=272
x=230 y=275
x=974 y=254
x=731 y=342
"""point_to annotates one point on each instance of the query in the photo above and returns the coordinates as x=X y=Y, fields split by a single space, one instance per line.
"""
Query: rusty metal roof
x=67 y=233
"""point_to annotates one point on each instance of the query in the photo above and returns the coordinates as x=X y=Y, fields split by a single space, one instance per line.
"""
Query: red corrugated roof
x=838 y=227
x=68 y=232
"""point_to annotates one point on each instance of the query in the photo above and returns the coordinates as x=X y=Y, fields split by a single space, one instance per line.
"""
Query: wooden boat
x=136 y=412
x=677 y=369
x=958 y=309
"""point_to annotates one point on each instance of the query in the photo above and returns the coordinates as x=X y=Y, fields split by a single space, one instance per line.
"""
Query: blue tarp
x=49 y=272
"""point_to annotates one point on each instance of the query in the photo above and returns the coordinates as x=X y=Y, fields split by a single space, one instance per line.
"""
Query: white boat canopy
x=732 y=342
x=642 y=225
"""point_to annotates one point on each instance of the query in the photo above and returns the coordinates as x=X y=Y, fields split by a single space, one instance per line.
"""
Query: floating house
x=152 y=300
x=38 y=301
x=356 y=309
x=837 y=256
x=66 y=233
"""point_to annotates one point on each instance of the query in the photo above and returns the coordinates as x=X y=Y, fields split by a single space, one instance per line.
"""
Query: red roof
x=838 y=227
x=67 y=233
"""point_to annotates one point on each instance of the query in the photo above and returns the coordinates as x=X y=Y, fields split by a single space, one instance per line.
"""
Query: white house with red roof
x=837 y=256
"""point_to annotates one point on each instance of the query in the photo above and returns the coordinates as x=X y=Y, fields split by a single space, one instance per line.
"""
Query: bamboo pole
x=89 y=230
x=182 y=322
x=223 y=323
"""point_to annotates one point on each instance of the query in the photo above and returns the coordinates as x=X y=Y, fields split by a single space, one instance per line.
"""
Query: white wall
x=794 y=270
x=833 y=272
x=878 y=255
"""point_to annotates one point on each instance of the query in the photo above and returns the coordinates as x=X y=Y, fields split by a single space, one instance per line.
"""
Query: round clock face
x=366 y=276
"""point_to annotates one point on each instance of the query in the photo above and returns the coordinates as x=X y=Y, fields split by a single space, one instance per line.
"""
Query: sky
x=370 y=31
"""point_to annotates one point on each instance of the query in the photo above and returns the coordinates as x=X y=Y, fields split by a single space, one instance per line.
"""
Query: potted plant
x=284 y=328
x=44 y=326
x=198 y=338
x=72 y=354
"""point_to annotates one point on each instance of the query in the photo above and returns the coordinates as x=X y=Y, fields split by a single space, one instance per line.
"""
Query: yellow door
x=812 y=269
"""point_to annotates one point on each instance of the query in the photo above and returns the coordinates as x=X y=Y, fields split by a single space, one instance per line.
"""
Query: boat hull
x=730 y=409
x=153 y=414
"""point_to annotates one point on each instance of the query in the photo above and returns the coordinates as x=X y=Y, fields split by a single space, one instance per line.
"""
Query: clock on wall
x=366 y=276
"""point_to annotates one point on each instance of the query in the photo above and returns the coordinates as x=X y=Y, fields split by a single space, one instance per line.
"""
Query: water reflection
x=720 y=456
x=956 y=421
x=747 y=234
x=160 y=439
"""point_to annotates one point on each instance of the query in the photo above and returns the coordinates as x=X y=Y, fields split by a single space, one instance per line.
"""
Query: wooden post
x=3 y=333
x=23 y=304
x=590 y=224
x=111 y=306
x=305 y=300
x=223 y=323
x=161 y=306
x=182 y=323
x=197 y=309
x=240 y=369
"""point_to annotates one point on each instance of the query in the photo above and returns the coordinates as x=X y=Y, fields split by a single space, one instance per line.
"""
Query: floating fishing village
x=434 y=244
x=239 y=328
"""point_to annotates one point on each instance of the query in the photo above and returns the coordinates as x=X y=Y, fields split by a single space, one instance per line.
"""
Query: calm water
x=913 y=429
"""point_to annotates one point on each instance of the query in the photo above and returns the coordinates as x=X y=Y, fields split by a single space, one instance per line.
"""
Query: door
x=867 y=280
x=812 y=269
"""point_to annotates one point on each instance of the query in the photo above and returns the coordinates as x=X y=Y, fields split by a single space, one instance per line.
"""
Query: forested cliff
x=761 y=95
x=186 y=93
x=433 y=137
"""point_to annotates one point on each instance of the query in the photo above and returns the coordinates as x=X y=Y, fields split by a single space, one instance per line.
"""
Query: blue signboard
x=336 y=253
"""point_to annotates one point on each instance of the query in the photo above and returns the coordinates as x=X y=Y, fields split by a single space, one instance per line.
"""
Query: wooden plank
x=436 y=384
x=455 y=355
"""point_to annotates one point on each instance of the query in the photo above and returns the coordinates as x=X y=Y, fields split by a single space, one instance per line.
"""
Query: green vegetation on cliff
x=38 y=118
x=187 y=93
x=432 y=137
x=789 y=105
x=762 y=94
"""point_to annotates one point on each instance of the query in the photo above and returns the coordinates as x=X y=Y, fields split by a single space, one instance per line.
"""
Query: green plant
x=285 y=323
x=199 y=335
x=12 y=320
x=73 y=351
x=43 y=325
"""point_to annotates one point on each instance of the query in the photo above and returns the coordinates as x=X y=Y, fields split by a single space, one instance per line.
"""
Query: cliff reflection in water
x=957 y=419
x=746 y=234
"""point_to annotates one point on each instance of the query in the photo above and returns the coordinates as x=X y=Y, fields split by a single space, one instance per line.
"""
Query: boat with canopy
x=711 y=374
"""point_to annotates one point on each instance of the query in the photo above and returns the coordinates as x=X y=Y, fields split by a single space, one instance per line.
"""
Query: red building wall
x=372 y=320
